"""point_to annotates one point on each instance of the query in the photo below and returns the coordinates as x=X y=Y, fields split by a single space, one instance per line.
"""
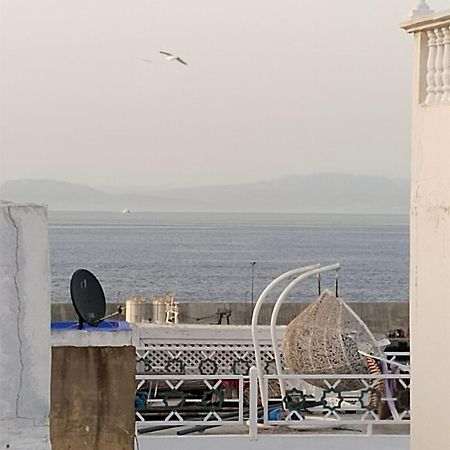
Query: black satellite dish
x=88 y=298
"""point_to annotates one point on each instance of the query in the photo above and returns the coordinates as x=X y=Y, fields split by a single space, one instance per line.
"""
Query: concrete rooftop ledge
x=427 y=22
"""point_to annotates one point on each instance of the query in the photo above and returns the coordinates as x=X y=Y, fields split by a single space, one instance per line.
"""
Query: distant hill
x=60 y=195
x=321 y=193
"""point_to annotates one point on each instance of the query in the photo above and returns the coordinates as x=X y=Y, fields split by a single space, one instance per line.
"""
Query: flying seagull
x=171 y=57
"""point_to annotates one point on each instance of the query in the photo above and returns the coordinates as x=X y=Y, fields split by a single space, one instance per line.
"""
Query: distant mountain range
x=320 y=193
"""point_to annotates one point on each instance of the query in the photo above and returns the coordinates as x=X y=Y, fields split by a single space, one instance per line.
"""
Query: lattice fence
x=201 y=359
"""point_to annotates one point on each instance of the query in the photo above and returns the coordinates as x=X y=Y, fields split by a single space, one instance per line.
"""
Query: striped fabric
x=374 y=369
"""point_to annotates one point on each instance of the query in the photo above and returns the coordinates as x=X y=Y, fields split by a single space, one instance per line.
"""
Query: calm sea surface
x=207 y=257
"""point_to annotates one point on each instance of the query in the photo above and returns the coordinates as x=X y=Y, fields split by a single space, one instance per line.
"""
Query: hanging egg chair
x=326 y=338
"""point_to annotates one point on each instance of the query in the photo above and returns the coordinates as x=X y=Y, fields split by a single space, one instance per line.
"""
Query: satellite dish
x=88 y=298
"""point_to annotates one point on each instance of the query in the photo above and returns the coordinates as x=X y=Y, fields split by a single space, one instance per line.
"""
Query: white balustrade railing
x=438 y=66
x=436 y=62
x=446 y=64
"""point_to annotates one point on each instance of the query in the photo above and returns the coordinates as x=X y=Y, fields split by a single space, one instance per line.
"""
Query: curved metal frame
x=255 y=316
x=276 y=309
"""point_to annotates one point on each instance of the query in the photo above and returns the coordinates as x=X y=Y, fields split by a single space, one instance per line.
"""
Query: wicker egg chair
x=326 y=338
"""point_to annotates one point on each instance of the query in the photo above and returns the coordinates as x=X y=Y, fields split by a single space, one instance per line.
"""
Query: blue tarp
x=107 y=325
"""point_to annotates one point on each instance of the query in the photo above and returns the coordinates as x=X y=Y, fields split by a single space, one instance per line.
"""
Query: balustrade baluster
x=439 y=65
x=431 y=68
x=446 y=65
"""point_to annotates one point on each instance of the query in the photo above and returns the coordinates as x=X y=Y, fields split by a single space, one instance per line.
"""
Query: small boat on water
x=126 y=211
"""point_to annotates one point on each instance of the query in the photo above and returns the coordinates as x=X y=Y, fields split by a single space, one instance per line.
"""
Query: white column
x=446 y=65
x=25 y=328
x=431 y=68
x=430 y=267
x=439 y=89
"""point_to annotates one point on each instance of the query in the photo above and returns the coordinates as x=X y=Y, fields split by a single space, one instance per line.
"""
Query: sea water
x=208 y=257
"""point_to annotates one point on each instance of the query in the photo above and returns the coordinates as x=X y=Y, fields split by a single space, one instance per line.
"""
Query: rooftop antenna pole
x=253 y=277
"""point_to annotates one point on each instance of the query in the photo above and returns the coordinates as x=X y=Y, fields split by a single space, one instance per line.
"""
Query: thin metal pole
x=253 y=404
x=253 y=276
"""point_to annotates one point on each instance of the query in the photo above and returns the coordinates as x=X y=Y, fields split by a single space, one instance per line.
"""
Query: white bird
x=171 y=57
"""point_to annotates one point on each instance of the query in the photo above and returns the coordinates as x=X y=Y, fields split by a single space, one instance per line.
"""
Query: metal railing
x=310 y=401
x=190 y=399
x=317 y=401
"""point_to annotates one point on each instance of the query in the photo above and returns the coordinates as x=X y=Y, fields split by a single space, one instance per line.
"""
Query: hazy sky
x=272 y=88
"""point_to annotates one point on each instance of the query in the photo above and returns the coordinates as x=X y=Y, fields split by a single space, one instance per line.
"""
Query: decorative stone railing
x=433 y=34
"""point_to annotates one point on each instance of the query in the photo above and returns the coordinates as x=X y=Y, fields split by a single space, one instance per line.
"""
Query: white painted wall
x=203 y=334
x=430 y=255
x=276 y=442
x=25 y=327
x=81 y=338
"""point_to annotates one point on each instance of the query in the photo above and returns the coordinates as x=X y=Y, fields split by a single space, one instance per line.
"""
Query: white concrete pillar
x=25 y=350
x=430 y=254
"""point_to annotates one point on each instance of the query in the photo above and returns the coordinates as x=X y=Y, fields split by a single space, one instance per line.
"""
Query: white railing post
x=446 y=65
x=439 y=83
x=431 y=68
x=253 y=404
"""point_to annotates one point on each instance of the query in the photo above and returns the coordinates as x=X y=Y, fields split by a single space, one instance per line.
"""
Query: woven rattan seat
x=326 y=338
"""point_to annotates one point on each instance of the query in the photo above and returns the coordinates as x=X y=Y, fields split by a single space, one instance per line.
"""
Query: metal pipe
x=276 y=309
x=255 y=317
x=253 y=404
x=253 y=276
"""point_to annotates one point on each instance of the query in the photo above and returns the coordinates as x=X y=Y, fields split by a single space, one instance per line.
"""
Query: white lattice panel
x=201 y=359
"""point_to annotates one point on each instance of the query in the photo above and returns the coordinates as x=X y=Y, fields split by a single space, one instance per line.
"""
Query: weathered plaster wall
x=92 y=399
x=430 y=267
x=24 y=330
x=430 y=275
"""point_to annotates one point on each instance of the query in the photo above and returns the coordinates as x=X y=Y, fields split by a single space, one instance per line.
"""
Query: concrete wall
x=81 y=338
x=92 y=398
x=430 y=251
x=283 y=442
x=379 y=317
x=430 y=274
x=25 y=330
